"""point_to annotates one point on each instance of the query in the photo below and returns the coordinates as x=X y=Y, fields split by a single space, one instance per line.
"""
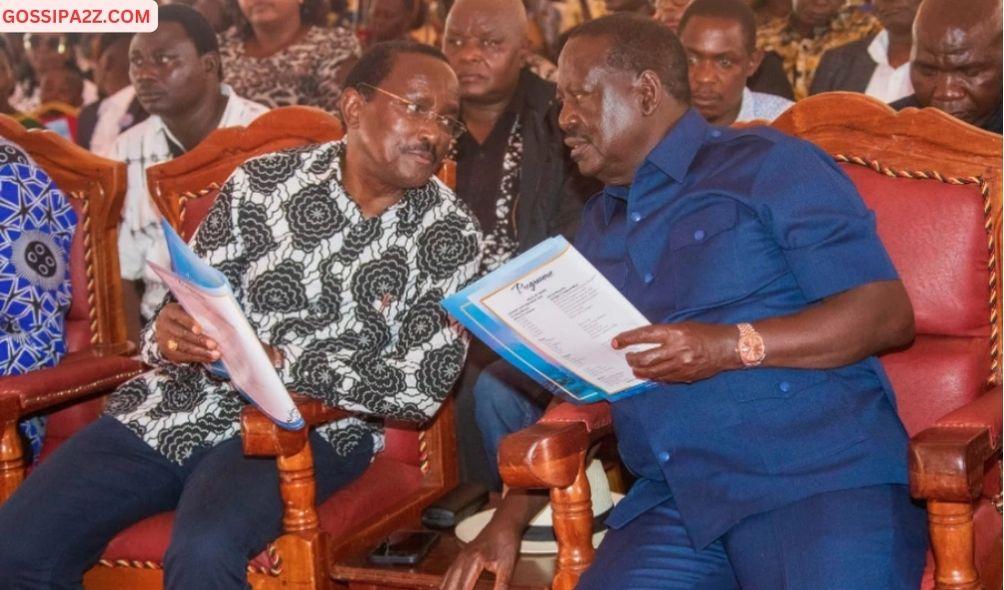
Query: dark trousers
x=871 y=538
x=227 y=507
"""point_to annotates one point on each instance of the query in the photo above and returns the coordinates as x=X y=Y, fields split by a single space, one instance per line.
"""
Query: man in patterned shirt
x=36 y=230
x=339 y=255
x=813 y=27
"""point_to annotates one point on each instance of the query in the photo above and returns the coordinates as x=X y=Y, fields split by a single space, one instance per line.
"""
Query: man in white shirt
x=877 y=65
x=177 y=76
x=719 y=37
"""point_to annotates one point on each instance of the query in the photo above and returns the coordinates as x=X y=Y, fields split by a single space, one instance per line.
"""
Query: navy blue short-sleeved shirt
x=737 y=225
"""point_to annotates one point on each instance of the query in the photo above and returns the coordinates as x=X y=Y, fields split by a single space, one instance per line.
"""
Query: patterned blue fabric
x=36 y=231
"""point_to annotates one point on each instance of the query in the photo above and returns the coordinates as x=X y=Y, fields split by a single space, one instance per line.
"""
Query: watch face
x=751 y=350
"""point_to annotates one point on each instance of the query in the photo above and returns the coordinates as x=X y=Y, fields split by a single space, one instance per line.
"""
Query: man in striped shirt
x=177 y=75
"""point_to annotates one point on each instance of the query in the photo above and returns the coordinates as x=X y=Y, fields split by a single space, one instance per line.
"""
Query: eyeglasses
x=412 y=110
x=57 y=44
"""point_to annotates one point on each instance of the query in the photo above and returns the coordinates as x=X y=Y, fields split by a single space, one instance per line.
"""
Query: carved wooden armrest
x=948 y=460
x=79 y=375
x=551 y=454
x=263 y=438
x=947 y=468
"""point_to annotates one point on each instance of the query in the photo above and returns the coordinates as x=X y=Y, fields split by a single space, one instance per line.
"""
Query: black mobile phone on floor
x=404 y=547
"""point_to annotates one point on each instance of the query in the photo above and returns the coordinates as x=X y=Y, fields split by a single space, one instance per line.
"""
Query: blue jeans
x=227 y=507
x=871 y=538
x=505 y=401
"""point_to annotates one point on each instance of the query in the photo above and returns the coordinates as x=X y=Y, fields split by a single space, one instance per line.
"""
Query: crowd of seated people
x=507 y=84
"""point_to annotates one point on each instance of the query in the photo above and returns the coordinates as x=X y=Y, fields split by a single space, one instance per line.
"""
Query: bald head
x=502 y=15
x=486 y=43
x=956 y=62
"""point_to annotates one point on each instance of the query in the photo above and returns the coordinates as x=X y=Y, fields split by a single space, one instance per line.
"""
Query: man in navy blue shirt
x=771 y=456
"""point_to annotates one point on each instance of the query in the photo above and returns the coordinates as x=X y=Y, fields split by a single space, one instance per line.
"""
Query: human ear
x=649 y=89
x=349 y=105
x=756 y=58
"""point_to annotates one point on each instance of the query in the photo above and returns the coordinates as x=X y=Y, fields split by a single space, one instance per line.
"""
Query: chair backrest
x=935 y=186
x=184 y=189
x=95 y=187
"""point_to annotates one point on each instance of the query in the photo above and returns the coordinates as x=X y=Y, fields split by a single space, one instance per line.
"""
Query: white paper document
x=553 y=315
x=205 y=294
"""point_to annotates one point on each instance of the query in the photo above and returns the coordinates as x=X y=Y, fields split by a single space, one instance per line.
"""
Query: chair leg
x=302 y=546
x=11 y=460
x=573 y=528
x=952 y=541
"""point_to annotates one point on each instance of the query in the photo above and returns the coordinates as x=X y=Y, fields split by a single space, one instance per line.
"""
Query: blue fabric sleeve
x=817 y=217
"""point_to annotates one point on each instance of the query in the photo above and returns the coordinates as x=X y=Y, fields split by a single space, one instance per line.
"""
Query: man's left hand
x=684 y=352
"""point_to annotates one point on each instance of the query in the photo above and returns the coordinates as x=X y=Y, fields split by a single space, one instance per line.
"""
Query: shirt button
x=716 y=133
x=699 y=235
x=664 y=457
x=636 y=217
x=784 y=386
x=649 y=277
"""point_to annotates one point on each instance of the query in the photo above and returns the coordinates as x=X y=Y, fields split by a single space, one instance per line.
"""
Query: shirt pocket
x=795 y=418
x=703 y=246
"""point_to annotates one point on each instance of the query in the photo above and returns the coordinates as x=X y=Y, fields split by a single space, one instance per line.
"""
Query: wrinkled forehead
x=424 y=79
x=955 y=44
x=583 y=61
x=481 y=18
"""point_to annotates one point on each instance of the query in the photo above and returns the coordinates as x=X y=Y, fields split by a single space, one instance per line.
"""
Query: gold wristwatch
x=750 y=346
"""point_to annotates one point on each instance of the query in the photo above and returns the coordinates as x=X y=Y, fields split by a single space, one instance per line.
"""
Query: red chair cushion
x=935 y=236
x=936 y=375
x=344 y=512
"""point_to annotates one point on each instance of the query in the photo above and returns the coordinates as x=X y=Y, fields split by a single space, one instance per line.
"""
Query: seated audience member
x=280 y=53
x=8 y=84
x=730 y=491
x=393 y=20
x=60 y=95
x=62 y=84
x=512 y=168
x=99 y=123
x=877 y=65
x=186 y=101
x=956 y=62
x=719 y=37
x=767 y=78
x=38 y=225
x=813 y=27
x=46 y=51
x=289 y=230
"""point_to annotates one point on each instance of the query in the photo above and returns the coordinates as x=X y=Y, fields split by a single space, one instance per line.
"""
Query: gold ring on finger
x=172 y=345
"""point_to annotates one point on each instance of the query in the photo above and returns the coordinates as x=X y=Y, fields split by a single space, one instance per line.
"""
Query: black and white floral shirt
x=352 y=302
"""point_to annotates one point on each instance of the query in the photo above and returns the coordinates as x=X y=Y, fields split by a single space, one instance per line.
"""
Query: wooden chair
x=95 y=325
x=416 y=467
x=935 y=185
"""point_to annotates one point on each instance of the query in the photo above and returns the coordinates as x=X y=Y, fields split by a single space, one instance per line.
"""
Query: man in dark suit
x=877 y=65
x=956 y=63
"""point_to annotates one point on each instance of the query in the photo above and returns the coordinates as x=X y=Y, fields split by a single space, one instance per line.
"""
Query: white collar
x=878 y=49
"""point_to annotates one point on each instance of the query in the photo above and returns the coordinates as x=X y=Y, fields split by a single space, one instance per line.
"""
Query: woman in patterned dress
x=280 y=53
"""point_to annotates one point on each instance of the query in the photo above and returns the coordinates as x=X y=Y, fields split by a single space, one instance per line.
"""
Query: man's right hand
x=181 y=339
x=495 y=550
